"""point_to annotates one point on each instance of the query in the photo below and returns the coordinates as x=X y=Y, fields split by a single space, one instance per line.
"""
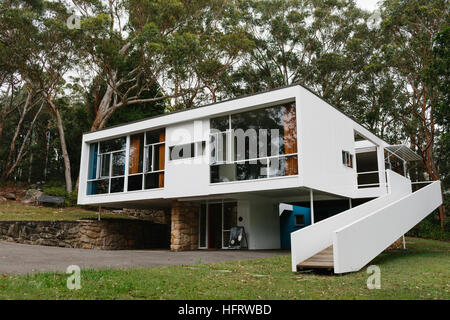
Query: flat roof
x=236 y=98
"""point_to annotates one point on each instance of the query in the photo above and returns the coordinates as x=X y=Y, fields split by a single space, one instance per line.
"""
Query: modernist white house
x=290 y=168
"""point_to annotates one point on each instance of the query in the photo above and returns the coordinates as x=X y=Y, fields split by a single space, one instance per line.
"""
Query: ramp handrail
x=358 y=243
x=313 y=239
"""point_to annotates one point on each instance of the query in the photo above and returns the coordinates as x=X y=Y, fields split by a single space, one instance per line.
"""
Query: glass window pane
x=136 y=153
x=151 y=181
x=118 y=163
x=226 y=239
x=155 y=136
x=148 y=158
x=220 y=123
x=223 y=172
x=135 y=182
x=277 y=123
x=229 y=215
x=283 y=166
x=117 y=184
x=251 y=170
x=113 y=145
x=104 y=165
x=98 y=187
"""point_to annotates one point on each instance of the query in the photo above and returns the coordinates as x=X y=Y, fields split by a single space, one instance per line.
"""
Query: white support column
x=311 y=199
x=350 y=203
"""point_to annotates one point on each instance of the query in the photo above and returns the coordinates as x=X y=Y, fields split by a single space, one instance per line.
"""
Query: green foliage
x=430 y=228
x=55 y=191
x=70 y=199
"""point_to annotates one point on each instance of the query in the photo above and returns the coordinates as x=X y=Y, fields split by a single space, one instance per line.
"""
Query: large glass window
x=146 y=163
x=256 y=144
x=107 y=161
x=107 y=166
x=154 y=159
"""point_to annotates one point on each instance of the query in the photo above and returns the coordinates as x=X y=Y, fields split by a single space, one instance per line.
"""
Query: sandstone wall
x=89 y=234
x=184 y=230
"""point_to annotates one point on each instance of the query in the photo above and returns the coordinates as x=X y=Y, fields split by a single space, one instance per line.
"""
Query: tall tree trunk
x=9 y=163
x=22 y=151
x=103 y=112
x=65 y=153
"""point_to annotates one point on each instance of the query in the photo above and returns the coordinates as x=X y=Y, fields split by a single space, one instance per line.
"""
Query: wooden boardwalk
x=322 y=260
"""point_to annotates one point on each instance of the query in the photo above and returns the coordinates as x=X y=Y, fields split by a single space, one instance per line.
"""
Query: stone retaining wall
x=108 y=234
x=184 y=230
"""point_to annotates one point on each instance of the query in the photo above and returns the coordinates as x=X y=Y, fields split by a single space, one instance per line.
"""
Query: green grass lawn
x=422 y=272
x=14 y=210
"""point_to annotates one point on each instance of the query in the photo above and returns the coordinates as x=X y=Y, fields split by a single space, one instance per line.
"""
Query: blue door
x=291 y=221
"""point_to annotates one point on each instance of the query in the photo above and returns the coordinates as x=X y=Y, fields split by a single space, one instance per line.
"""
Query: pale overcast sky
x=367 y=4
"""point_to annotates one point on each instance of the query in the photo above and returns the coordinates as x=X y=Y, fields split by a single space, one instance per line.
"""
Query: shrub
x=431 y=228
x=55 y=191
x=71 y=199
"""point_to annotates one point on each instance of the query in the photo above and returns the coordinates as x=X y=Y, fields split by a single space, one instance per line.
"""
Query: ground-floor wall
x=264 y=224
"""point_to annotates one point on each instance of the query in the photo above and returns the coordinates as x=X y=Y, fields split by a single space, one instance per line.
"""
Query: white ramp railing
x=358 y=243
x=311 y=240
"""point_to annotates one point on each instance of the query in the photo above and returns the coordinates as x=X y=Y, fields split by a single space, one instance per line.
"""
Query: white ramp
x=388 y=218
x=358 y=243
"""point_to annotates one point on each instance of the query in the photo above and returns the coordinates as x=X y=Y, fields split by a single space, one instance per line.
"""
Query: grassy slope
x=422 y=272
x=12 y=210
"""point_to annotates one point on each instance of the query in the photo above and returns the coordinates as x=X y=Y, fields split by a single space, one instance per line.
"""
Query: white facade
x=323 y=134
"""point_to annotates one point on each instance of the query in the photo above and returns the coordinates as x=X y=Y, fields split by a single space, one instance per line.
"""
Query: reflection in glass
x=118 y=163
x=113 y=145
x=104 y=165
x=151 y=180
x=98 y=186
x=117 y=184
x=220 y=124
x=135 y=182
x=255 y=135
x=148 y=158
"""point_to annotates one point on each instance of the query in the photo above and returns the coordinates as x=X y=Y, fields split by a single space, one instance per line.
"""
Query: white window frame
x=98 y=175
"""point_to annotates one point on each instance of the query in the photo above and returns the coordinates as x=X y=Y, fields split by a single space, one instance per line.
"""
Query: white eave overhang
x=403 y=152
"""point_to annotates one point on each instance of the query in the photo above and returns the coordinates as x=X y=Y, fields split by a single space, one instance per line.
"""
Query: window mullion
x=127 y=156
x=110 y=171
x=153 y=157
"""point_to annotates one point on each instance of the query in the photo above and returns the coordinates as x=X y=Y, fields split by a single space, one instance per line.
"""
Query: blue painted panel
x=291 y=221
x=92 y=186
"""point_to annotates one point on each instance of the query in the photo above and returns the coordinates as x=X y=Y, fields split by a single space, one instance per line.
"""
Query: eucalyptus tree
x=409 y=30
x=168 y=43
x=19 y=98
